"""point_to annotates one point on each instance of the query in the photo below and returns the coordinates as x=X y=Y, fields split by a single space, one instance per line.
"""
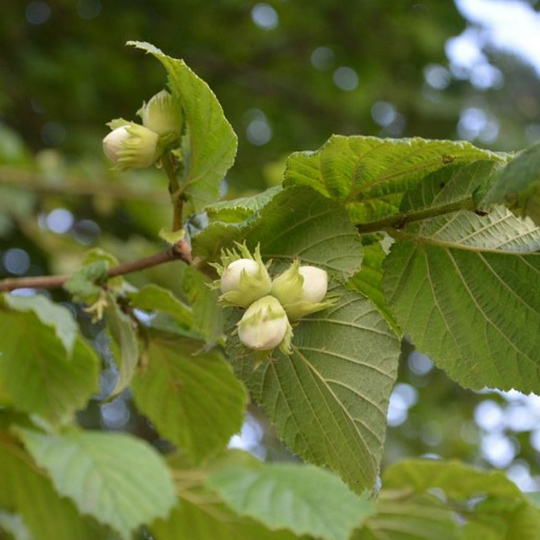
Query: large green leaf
x=123 y=343
x=25 y=490
x=299 y=498
x=462 y=286
x=328 y=400
x=297 y=222
x=118 y=479
x=50 y=314
x=370 y=175
x=212 y=140
x=36 y=372
x=518 y=185
x=193 y=399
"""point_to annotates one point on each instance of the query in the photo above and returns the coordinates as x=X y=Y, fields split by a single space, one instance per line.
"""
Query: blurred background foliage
x=288 y=73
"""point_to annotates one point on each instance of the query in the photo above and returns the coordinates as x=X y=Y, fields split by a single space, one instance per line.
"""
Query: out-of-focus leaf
x=12 y=147
x=14 y=525
x=201 y=514
x=299 y=498
x=54 y=315
x=28 y=492
x=207 y=313
x=84 y=284
x=425 y=499
x=124 y=344
x=193 y=399
x=119 y=480
x=37 y=373
x=14 y=203
x=202 y=517
x=414 y=517
x=154 y=298
x=172 y=237
x=457 y=480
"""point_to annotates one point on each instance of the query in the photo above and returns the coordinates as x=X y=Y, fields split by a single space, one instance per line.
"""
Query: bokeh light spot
x=86 y=231
x=498 y=449
x=258 y=129
x=16 y=261
x=346 y=78
x=419 y=363
x=265 y=16
x=60 y=220
x=397 y=410
x=488 y=415
x=322 y=58
x=38 y=12
x=115 y=415
x=437 y=76
x=383 y=113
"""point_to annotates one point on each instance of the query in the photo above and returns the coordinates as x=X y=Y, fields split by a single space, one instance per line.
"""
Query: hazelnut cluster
x=271 y=305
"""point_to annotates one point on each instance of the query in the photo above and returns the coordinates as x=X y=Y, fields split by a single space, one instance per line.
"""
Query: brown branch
x=181 y=251
x=17 y=178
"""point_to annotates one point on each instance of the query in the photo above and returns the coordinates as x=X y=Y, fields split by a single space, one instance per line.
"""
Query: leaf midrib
x=445 y=244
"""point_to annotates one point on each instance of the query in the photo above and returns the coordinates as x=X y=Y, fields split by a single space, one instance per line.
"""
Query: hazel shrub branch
x=180 y=251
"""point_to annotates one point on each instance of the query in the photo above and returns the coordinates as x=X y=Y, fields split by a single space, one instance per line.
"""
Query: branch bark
x=181 y=251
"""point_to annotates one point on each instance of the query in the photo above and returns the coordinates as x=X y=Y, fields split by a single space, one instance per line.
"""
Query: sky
x=509 y=25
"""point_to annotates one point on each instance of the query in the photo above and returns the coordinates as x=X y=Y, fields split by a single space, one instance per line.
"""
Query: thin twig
x=179 y=252
x=21 y=179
